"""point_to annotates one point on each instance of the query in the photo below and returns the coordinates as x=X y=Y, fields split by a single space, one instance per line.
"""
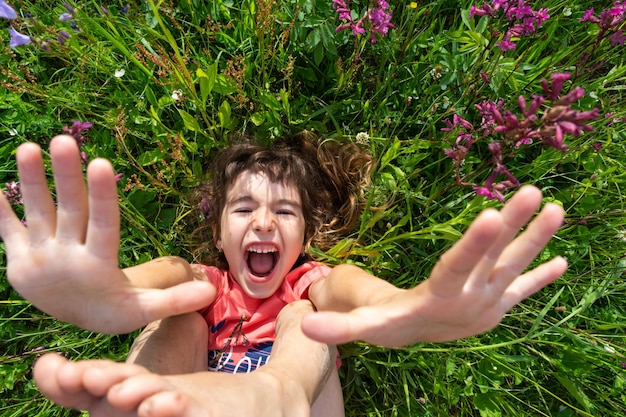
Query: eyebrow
x=248 y=198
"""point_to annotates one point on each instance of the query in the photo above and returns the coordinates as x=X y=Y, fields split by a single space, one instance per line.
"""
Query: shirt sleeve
x=215 y=277
x=301 y=278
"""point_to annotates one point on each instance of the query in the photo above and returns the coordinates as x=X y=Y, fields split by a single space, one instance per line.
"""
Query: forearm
x=348 y=287
x=164 y=272
x=298 y=362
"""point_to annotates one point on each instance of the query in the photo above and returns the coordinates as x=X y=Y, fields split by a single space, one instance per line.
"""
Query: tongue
x=261 y=263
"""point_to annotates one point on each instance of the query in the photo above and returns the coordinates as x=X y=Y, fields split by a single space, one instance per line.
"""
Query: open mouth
x=261 y=260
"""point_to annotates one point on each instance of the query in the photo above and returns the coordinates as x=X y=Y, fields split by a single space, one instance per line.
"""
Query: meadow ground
x=459 y=102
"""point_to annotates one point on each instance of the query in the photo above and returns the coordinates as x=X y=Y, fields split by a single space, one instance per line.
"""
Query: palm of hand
x=65 y=261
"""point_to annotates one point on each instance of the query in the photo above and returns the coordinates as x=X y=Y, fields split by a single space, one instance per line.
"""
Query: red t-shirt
x=241 y=328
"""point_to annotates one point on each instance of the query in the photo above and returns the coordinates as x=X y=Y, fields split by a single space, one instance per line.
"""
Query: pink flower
x=76 y=131
x=589 y=17
x=13 y=194
x=505 y=45
x=617 y=38
x=378 y=17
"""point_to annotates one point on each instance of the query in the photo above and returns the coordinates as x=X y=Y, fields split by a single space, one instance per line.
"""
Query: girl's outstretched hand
x=65 y=260
x=470 y=289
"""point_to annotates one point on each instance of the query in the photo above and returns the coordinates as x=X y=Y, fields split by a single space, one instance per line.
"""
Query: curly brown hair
x=330 y=175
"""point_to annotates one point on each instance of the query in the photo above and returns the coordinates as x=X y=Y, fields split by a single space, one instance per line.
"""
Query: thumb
x=334 y=328
x=179 y=299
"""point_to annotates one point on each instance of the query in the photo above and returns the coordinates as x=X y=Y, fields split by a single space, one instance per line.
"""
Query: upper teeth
x=262 y=250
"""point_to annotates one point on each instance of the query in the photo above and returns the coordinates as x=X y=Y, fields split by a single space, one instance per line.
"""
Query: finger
x=515 y=214
x=151 y=305
x=329 y=327
x=526 y=247
x=70 y=189
x=456 y=266
x=365 y=324
x=38 y=204
x=103 y=232
x=532 y=281
x=518 y=211
x=12 y=231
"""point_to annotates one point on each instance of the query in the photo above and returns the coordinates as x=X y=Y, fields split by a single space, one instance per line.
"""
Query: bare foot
x=110 y=389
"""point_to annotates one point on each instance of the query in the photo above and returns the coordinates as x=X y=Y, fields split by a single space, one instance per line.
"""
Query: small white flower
x=567 y=11
x=445 y=102
x=609 y=349
x=362 y=138
x=593 y=95
x=13 y=132
x=177 y=95
x=120 y=73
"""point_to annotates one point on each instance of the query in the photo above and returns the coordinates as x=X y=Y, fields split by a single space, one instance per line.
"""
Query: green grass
x=268 y=68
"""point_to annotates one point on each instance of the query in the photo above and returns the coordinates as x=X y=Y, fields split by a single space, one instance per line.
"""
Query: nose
x=263 y=220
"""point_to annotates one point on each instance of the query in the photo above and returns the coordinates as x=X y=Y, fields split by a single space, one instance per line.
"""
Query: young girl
x=66 y=264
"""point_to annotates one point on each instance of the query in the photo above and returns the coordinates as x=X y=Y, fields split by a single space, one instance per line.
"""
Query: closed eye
x=242 y=210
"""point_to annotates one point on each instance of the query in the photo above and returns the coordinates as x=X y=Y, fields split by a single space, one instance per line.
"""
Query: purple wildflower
x=44 y=45
x=588 y=16
x=541 y=16
x=495 y=190
x=548 y=123
x=505 y=44
x=13 y=194
x=488 y=191
x=378 y=18
x=342 y=8
x=125 y=9
x=464 y=137
x=523 y=19
x=6 y=11
x=69 y=8
x=65 y=17
x=18 y=39
x=76 y=131
x=62 y=37
x=617 y=38
x=558 y=80
x=610 y=21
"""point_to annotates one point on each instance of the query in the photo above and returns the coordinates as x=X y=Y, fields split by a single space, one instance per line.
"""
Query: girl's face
x=262 y=232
